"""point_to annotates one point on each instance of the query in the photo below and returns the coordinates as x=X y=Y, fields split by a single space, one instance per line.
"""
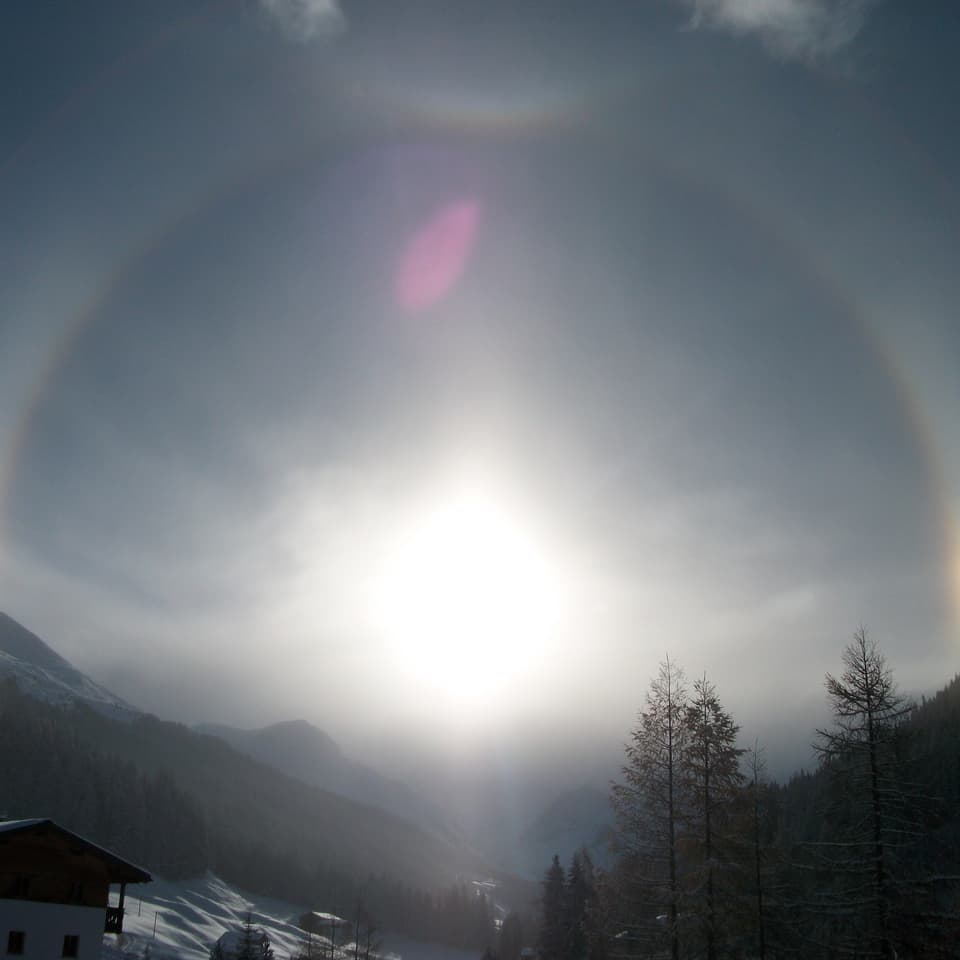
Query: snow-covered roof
x=120 y=870
x=329 y=917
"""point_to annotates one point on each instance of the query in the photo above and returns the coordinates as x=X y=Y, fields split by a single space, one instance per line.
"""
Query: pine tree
x=871 y=814
x=585 y=936
x=758 y=792
x=254 y=943
x=577 y=895
x=648 y=806
x=552 y=939
x=601 y=914
x=712 y=781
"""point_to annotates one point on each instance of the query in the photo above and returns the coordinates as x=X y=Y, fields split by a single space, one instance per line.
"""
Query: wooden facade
x=43 y=863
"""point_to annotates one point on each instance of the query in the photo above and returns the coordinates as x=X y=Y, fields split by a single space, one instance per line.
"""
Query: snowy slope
x=43 y=674
x=191 y=915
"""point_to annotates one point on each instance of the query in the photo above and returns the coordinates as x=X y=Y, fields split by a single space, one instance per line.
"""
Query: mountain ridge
x=296 y=748
x=299 y=750
x=262 y=826
x=302 y=750
x=24 y=644
x=39 y=671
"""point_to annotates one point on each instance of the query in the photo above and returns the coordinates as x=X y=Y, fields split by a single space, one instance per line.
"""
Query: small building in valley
x=55 y=891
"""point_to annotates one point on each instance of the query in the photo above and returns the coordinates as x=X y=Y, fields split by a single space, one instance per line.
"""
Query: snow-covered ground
x=190 y=916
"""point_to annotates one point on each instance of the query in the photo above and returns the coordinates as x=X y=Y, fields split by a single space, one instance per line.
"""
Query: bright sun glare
x=467 y=598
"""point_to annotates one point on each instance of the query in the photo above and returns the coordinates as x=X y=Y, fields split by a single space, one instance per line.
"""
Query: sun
x=467 y=598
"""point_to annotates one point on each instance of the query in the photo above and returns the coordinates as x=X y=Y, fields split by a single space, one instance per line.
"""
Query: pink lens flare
x=436 y=256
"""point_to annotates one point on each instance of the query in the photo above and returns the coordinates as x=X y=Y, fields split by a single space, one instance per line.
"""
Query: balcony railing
x=114 y=921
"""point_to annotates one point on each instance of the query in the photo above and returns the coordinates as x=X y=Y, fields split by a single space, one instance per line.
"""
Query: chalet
x=55 y=891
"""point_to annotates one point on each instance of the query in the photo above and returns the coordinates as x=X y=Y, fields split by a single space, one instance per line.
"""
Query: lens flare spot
x=436 y=256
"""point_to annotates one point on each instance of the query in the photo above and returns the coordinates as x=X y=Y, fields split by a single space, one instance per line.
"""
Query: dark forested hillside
x=49 y=770
x=179 y=802
x=859 y=858
x=304 y=752
x=826 y=846
x=929 y=742
x=936 y=729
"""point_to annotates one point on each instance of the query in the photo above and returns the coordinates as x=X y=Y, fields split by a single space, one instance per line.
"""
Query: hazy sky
x=430 y=369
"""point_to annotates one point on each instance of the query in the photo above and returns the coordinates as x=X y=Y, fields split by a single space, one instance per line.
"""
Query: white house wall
x=46 y=924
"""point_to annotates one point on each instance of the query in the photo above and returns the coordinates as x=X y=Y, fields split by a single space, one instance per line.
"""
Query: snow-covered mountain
x=301 y=750
x=518 y=838
x=43 y=674
x=296 y=748
x=376 y=824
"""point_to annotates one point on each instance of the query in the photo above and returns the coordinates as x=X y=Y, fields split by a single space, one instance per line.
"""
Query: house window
x=71 y=946
x=15 y=941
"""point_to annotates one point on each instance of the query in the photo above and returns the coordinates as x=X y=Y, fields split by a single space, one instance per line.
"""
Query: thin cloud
x=305 y=19
x=794 y=29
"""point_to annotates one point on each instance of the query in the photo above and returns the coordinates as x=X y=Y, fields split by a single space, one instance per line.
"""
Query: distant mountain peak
x=299 y=722
x=297 y=726
x=303 y=733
